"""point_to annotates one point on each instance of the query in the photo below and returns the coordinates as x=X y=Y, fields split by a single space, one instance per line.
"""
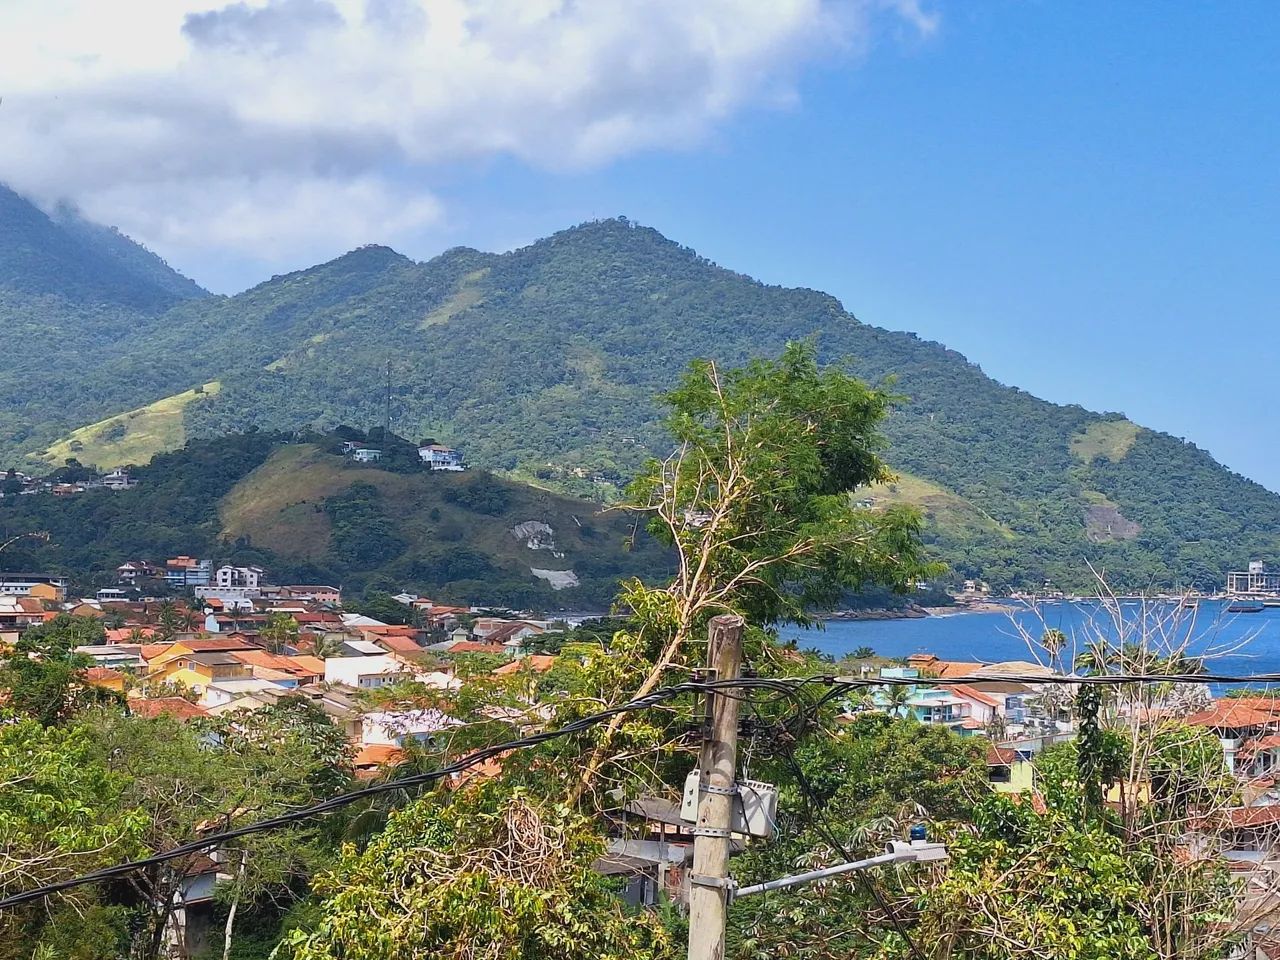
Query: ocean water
x=1235 y=644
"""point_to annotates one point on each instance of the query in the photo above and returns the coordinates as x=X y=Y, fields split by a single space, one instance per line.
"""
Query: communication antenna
x=386 y=426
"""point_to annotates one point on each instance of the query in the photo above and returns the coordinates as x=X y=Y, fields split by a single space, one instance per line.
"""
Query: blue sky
x=1080 y=196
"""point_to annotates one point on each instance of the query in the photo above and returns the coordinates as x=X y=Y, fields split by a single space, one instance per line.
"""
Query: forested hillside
x=296 y=506
x=547 y=360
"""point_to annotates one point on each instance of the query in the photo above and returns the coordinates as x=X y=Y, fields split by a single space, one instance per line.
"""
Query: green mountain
x=71 y=293
x=293 y=504
x=545 y=362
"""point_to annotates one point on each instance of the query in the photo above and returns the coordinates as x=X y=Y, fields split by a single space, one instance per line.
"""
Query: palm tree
x=864 y=653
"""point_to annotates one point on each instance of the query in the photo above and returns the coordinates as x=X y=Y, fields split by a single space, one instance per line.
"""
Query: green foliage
x=63 y=812
x=547 y=360
x=45 y=679
x=482 y=874
x=382 y=606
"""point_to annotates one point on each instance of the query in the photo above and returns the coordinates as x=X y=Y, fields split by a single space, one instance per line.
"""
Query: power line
x=786 y=686
x=334 y=803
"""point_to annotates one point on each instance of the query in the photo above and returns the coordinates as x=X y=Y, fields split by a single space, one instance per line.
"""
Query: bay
x=1237 y=644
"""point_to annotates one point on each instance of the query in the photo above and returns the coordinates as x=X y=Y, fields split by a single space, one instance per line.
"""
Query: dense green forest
x=294 y=505
x=546 y=363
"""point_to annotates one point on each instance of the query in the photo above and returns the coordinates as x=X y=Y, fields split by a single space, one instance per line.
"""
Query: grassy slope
x=133 y=437
x=945 y=512
x=1112 y=439
x=280 y=507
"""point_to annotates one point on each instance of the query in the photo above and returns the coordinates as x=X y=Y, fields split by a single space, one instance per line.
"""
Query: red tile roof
x=1001 y=756
x=1231 y=715
x=969 y=693
x=102 y=674
x=376 y=754
x=166 y=706
x=1253 y=816
x=397 y=644
x=538 y=663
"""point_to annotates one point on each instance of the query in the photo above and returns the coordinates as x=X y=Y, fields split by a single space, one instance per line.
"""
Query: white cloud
x=268 y=126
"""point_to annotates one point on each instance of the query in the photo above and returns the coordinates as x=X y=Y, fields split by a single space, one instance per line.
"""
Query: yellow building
x=199 y=669
x=1008 y=771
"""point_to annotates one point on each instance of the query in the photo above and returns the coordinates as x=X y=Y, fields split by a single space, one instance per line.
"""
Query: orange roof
x=166 y=706
x=393 y=630
x=998 y=756
x=309 y=664
x=149 y=651
x=1231 y=715
x=125 y=634
x=538 y=663
x=1253 y=816
x=1269 y=742
x=969 y=693
x=218 y=644
x=274 y=661
x=376 y=754
x=398 y=644
x=1265 y=704
x=100 y=674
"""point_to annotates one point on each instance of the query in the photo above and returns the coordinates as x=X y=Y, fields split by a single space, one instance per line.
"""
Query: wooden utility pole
x=708 y=886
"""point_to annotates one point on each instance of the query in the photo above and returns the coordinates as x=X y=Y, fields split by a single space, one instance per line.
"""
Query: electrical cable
x=786 y=686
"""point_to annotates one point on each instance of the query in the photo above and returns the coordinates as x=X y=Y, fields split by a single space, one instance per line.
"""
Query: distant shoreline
x=916 y=612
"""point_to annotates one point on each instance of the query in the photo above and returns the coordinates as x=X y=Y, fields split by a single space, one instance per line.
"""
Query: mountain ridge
x=545 y=362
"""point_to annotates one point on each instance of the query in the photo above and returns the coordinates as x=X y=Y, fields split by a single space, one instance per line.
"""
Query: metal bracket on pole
x=721 y=832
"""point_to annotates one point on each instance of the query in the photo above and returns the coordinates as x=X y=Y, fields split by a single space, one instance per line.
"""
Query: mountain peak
x=81 y=262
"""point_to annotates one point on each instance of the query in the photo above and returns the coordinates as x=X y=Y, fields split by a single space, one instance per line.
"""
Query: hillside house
x=439 y=457
x=184 y=571
x=18 y=613
x=119 y=480
x=366 y=455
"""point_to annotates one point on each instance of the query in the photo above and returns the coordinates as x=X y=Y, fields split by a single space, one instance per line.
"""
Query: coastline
x=915 y=612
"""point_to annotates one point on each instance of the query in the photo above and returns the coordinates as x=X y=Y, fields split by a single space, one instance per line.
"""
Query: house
x=366 y=455
x=115 y=656
x=222 y=693
x=134 y=570
x=109 y=594
x=184 y=571
x=1008 y=771
x=160 y=656
x=313 y=593
x=368 y=672
x=392 y=728
x=166 y=707
x=439 y=457
x=119 y=480
x=33 y=585
x=18 y=613
x=197 y=670
x=372 y=757
x=535 y=663
x=106 y=678
x=1237 y=722
x=233 y=585
x=266 y=665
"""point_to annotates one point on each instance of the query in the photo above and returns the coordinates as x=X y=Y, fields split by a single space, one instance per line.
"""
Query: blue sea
x=1234 y=644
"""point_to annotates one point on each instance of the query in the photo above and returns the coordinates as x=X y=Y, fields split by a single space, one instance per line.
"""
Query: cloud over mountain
x=295 y=127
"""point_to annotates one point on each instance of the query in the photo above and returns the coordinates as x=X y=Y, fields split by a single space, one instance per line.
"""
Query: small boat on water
x=1271 y=603
x=1245 y=606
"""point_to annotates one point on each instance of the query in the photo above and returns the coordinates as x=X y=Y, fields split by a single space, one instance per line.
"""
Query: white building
x=366 y=455
x=371 y=672
x=119 y=480
x=233 y=585
x=392 y=729
x=439 y=457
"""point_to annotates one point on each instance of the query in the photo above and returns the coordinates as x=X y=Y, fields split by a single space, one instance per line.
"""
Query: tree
x=756 y=500
x=486 y=875
x=280 y=633
x=45 y=677
x=63 y=812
